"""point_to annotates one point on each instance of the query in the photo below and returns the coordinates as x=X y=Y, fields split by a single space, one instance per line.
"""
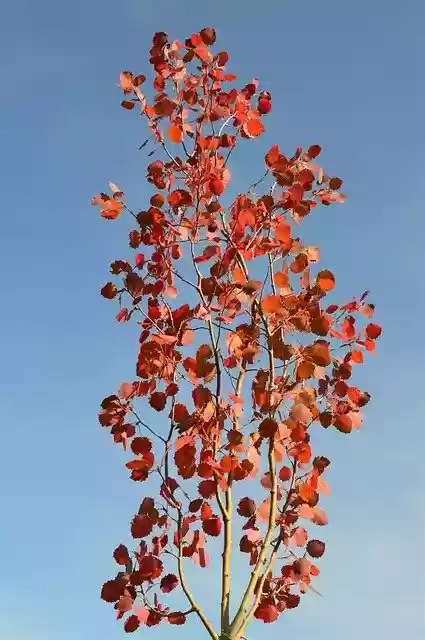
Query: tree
x=239 y=353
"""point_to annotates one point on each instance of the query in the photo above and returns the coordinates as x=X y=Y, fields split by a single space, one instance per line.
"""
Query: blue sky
x=345 y=75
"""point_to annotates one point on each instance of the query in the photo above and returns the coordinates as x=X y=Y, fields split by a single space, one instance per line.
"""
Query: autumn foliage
x=241 y=356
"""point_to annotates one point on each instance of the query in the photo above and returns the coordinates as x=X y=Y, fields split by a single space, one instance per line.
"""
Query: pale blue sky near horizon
x=345 y=75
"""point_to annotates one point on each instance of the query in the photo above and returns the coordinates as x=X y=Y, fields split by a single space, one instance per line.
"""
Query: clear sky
x=347 y=75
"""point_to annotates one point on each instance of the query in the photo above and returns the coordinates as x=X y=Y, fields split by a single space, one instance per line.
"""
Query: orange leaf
x=305 y=370
x=307 y=493
x=344 y=423
x=271 y=304
x=283 y=232
x=320 y=325
x=203 y=53
x=326 y=280
x=272 y=156
x=303 y=453
x=175 y=134
x=227 y=463
x=299 y=264
x=253 y=127
x=357 y=356
x=239 y=276
x=281 y=279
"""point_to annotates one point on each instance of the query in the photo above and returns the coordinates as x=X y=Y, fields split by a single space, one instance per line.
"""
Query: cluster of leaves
x=239 y=350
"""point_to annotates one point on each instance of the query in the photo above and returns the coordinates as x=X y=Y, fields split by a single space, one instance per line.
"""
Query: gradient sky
x=347 y=75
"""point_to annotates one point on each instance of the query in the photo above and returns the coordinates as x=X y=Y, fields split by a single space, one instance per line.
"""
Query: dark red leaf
x=112 y=590
x=316 y=548
x=121 y=555
x=131 y=624
x=168 y=583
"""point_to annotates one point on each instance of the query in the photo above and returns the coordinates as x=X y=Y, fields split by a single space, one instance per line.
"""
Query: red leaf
x=109 y=291
x=212 y=526
x=195 y=505
x=285 y=474
x=321 y=325
x=314 y=150
x=264 y=106
x=316 y=548
x=110 y=208
x=121 y=555
x=177 y=617
x=299 y=264
x=131 y=624
x=158 y=400
x=301 y=567
x=141 y=466
x=180 y=414
x=246 y=507
x=332 y=308
x=203 y=53
x=208 y=253
x=344 y=423
x=171 y=390
x=216 y=186
x=208 y=35
x=150 y=568
x=124 y=604
x=373 y=331
x=335 y=183
x=141 y=526
x=266 y=612
x=112 y=590
x=168 y=583
x=207 y=488
x=123 y=315
x=206 y=511
x=272 y=156
x=268 y=428
x=140 y=445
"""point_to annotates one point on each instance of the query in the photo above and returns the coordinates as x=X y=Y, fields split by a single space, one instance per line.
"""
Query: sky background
x=347 y=75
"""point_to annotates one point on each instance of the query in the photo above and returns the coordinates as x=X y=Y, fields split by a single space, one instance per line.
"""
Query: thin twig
x=207 y=624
